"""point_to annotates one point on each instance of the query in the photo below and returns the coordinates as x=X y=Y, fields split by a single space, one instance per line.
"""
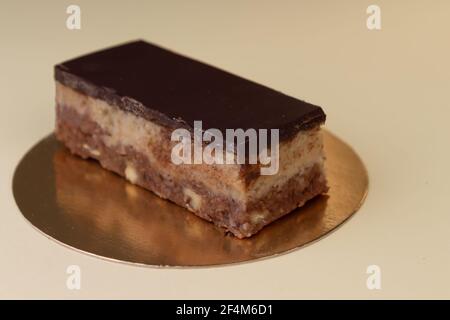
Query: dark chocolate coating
x=174 y=90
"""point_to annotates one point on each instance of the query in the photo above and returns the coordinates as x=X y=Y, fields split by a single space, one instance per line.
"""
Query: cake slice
x=122 y=105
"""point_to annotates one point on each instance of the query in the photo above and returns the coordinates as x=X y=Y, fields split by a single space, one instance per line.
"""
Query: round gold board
x=81 y=205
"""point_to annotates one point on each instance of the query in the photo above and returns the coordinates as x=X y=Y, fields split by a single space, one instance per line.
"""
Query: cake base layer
x=235 y=211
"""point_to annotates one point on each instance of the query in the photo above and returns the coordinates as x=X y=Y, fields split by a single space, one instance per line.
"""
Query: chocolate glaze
x=174 y=90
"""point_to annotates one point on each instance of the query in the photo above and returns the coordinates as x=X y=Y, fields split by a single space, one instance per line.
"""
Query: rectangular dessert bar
x=121 y=105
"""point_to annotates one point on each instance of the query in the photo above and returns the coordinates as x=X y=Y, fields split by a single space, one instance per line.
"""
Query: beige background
x=385 y=92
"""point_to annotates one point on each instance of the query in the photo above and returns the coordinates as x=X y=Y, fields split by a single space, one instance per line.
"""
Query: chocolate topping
x=174 y=90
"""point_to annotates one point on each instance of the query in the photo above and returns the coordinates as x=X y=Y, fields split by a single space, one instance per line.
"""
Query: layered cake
x=122 y=106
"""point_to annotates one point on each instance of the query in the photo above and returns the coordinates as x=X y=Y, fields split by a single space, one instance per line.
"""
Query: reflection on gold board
x=85 y=207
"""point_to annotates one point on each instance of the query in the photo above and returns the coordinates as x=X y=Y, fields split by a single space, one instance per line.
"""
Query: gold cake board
x=89 y=209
